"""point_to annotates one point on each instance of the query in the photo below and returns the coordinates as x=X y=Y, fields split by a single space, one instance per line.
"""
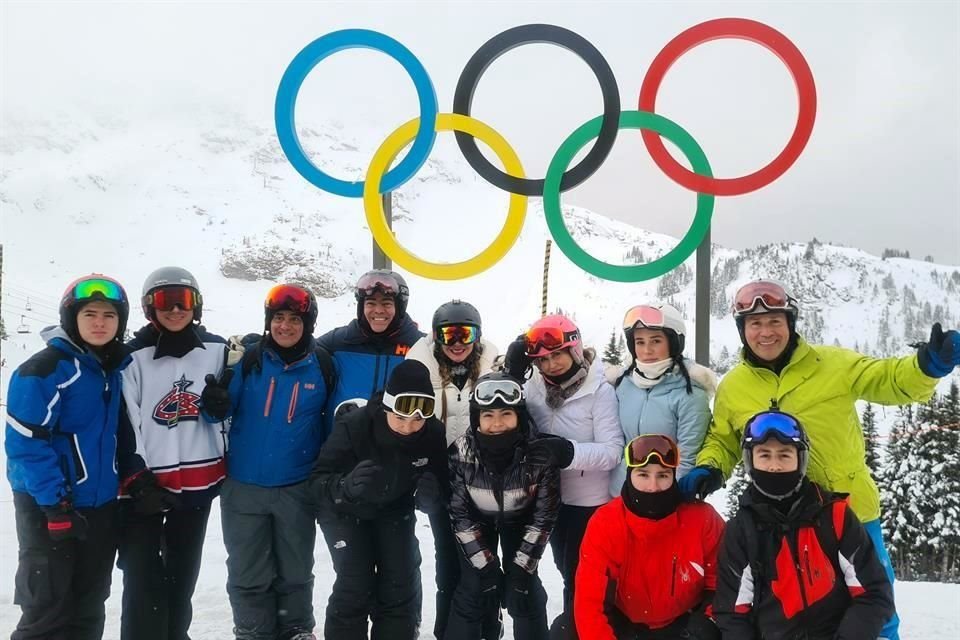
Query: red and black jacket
x=804 y=570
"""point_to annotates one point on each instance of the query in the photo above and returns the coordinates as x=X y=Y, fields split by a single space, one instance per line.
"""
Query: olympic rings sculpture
x=603 y=129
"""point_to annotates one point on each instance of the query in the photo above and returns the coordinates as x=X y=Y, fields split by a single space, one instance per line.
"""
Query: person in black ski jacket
x=380 y=462
x=795 y=561
x=499 y=497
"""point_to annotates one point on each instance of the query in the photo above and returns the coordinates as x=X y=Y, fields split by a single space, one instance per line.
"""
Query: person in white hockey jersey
x=171 y=460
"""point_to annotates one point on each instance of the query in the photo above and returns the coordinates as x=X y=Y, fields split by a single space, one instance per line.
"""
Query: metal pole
x=703 y=301
x=546 y=274
x=380 y=260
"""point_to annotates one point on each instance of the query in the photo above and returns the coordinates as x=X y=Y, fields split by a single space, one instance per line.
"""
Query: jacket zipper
x=266 y=407
x=673 y=575
x=806 y=560
x=376 y=374
x=293 y=403
x=795 y=550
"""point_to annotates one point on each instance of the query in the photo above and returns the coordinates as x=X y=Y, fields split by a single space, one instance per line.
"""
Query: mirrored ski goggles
x=644 y=315
x=288 y=297
x=371 y=283
x=773 y=424
x=408 y=405
x=770 y=294
x=169 y=297
x=454 y=333
x=506 y=391
x=99 y=288
x=540 y=340
x=651 y=447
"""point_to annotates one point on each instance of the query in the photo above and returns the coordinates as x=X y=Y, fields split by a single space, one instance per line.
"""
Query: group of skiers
x=116 y=450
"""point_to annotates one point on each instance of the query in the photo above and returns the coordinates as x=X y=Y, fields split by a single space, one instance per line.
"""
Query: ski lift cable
x=22 y=292
x=28 y=302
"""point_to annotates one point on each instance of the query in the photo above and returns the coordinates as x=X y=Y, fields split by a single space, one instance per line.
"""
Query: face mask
x=777 y=485
x=654 y=506
x=499 y=442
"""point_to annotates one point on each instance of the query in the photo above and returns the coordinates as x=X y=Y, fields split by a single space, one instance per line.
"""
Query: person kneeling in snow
x=379 y=462
x=795 y=560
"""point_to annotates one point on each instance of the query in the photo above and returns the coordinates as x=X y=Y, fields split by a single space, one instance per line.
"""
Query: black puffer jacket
x=524 y=494
x=364 y=435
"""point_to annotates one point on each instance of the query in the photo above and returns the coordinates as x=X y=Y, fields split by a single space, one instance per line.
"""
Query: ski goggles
x=371 y=283
x=539 y=340
x=288 y=297
x=454 y=333
x=773 y=424
x=409 y=405
x=97 y=287
x=167 y=298
x=651 y=447
x=769 y=294
x=644 y=315
x=508 y=392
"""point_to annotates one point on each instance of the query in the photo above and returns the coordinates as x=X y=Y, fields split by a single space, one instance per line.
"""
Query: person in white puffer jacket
x=569 y=397
x=456 y=355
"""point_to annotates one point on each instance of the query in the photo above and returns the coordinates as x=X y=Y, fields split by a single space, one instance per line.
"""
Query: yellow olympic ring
x=384 y=236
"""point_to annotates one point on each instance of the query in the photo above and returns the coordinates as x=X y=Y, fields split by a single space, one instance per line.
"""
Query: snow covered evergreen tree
x=611 y=353
x=871 y=440
x=737 y=484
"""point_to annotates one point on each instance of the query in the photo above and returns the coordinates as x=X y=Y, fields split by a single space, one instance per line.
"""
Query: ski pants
x=269 y=534
x=377 y=563
x=61 y=586
x=891 y=630
x=471 y=607
x=160 y=557
x=565 y=545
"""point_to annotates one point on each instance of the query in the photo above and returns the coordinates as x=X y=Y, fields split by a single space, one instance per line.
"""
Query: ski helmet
x=96 y=286
x=456 y=312
x=551 y=333
x=389 y=283
x=782 y=426
x=291 y=297
x=497 y=390
x=169 y=277
x=664 y=317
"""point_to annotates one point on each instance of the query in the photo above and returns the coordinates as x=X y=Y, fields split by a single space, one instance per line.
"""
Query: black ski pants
x=471 y=607
x=160 y=557
x=377 y=563
x=61 y=586
x=565 y=545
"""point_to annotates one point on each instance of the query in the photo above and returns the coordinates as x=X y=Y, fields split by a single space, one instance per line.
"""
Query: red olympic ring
x=742 y=29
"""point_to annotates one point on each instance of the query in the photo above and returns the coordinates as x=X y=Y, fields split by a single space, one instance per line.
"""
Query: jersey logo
x=401 y=350
x=178 y=404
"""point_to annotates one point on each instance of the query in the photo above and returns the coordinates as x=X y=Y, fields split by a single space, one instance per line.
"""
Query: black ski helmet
x=169 y=277
x=389 y=283
x=271 y=307
x=71 y=301
x=456 y=312
x=521 y=407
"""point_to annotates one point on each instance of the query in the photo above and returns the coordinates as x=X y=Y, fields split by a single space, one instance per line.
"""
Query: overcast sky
x=882 y=168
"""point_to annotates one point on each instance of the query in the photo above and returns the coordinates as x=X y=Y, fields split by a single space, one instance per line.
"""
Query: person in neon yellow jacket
x=820 y=385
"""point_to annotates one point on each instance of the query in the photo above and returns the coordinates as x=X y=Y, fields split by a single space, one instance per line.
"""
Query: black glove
x=364 y=482
x=516 y=361
x=516 y=593
x=700 y=627
x=491 y=582
x=215 y=397
x=148 y=497
x=550 y=451
x=940 y=354
x=64 y=523
x=428 y=497
x=700 y=482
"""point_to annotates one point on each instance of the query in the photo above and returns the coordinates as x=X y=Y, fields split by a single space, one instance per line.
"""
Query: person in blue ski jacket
x=367 y=349
x=61 y=445
x=275 y=397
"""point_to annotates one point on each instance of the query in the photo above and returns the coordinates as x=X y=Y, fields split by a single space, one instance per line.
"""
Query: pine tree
x=898 y=526
x=611 y=354
x=735 y=486
x=871 y=440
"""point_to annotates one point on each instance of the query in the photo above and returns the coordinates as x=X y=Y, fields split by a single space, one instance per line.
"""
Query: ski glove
x=428 y=496
x=700 y=482
x=516 y=362
x=516 y=593
x=215 y=397
x=551 y=451
x=148 y=497
x=364 y=482
x=490 y=580
x=63 y=523
x=941 y=353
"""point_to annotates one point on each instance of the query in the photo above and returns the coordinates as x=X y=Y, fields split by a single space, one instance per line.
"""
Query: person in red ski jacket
x=648 y=561
x=795 y=560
